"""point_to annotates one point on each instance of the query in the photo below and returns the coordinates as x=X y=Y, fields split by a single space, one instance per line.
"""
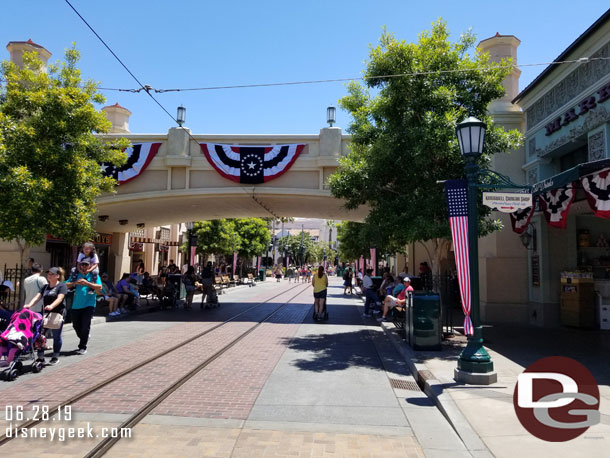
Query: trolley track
x=83 y=394
x=107 y=443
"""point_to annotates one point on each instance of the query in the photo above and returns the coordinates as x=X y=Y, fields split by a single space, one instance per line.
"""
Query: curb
x=434 y=389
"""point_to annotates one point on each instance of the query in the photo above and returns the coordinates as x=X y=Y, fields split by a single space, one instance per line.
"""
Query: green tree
x=254 y=236
x=291 y=244
x=356 y=239
x=50 y=154
x=216 y=237
x=403 y=138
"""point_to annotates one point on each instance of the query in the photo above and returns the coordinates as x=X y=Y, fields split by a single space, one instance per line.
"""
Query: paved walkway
x=293 y=387
x=484 y=415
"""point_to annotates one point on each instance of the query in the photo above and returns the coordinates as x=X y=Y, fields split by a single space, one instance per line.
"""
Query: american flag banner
x=374 y=261
x=251 y=164
x=258 y=264
x=457 y=201
x=234 y=262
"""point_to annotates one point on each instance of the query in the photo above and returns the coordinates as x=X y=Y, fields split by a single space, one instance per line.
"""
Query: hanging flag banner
x=507 y=202
x=193 y=254
x=287 y=260
x=556 y=203
x=457 y=201
x=251 y=164
x=597 y=191
x=374 y=261
x=362 y=264
x=234 y=262
x=521 y=218
x=258 y=264
x=138 y=157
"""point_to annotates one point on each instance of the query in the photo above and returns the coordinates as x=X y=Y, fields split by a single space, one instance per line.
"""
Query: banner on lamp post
x=234 y=262
x=287 y=260
x=258 y=264
x=193 y=254
x=362 y=264
x=374 y=260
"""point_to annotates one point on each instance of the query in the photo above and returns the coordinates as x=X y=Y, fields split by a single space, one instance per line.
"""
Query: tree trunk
x=24 y=248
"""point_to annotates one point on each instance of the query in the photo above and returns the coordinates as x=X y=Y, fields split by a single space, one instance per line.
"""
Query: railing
x=12 y=299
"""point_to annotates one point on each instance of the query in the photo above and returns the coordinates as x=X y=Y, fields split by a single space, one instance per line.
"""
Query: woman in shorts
x=320 y=287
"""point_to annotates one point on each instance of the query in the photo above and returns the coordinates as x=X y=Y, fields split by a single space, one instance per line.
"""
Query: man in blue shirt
x=83 y=305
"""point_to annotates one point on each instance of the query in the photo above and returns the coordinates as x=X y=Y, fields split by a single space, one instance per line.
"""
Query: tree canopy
x=248 y=236
x=403 y=137
x=50 y=154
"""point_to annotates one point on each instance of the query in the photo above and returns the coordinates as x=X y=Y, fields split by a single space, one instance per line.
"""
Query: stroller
x=22 y=340
x=170 y=294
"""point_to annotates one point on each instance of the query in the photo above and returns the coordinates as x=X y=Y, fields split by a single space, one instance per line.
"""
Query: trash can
x=423 y=322
x=261 y=274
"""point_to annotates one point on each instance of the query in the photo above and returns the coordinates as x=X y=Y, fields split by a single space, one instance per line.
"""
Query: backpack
x=345 y=276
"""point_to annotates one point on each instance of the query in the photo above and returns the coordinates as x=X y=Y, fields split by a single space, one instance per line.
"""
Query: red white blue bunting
x=138 y=157
x=597 y=190
x=251 y=164
x=521 y=218
x=556 y=203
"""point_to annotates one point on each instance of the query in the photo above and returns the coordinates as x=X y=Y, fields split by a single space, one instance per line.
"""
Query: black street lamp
x=474 y=364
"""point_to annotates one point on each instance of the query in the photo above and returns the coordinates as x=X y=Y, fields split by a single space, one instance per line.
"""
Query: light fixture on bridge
x=123 y=222
x=140 y=225
x=331 y=113
x=181 y=116
x=102 y=218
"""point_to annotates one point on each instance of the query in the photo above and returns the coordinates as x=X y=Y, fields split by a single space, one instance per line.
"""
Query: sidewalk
x=484 y=416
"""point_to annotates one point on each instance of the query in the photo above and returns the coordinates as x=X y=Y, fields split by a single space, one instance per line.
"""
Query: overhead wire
x=582 y=60
x=148 y=90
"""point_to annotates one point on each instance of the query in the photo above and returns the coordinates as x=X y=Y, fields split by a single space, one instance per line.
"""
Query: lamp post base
x=475 y=378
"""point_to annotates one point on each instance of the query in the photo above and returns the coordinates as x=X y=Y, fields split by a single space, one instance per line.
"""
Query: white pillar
x=119 y=117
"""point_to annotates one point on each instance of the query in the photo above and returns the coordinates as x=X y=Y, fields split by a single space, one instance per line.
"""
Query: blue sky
x=192 y=43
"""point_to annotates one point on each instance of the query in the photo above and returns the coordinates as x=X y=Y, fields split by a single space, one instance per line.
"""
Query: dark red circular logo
x=556 y=399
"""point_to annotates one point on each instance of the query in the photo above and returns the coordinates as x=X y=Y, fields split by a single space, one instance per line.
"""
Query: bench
x=251 y=280
x=227 y=281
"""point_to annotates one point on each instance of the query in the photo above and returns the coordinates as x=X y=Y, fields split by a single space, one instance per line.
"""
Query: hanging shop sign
x=507 y=202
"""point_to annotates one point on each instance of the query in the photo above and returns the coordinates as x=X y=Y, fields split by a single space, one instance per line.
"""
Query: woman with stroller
x=320 y=285
x=53 y=300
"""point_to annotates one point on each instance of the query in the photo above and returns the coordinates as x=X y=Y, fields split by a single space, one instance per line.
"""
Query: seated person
x=149 y=286
x=125 y=287
x=390 y=301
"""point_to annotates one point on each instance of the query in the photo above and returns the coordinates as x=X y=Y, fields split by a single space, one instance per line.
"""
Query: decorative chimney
x=500 y=47
x=17 y=48
x=119 y=117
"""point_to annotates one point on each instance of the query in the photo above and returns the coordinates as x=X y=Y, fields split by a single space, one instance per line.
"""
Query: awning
x=562 y=179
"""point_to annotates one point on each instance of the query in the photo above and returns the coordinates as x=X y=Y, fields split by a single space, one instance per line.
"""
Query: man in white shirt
x=369 y=293
x=33 y=285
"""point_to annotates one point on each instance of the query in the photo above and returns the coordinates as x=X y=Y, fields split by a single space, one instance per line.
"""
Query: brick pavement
x=229 y=386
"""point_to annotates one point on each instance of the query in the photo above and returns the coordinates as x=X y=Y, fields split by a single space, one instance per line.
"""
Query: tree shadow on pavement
x=336 y=351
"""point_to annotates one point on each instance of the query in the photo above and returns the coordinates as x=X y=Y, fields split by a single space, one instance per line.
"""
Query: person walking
x=53 y=296
x=84 y=302
x=320 y=287
x=348 y=279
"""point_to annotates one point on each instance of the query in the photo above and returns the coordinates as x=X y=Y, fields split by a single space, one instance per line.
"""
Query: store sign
x=583 y=107
x=103 y=239
x=507 y=202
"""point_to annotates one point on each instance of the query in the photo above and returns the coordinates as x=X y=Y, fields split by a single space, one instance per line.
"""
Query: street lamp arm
x=490 y=179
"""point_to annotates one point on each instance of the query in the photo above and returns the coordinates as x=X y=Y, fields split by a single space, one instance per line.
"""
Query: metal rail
x=77 y=397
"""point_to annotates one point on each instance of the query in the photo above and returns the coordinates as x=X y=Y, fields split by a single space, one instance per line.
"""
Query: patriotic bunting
x=251 y=164
x=555 y=205
x=457 y=201
x=138 y=158
x=597 y=190
x=521 y=218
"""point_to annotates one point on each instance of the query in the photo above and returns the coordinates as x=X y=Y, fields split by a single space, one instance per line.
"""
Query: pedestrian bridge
x=180 y=184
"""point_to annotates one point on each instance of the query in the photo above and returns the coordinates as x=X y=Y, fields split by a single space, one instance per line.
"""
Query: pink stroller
x=21 y=341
